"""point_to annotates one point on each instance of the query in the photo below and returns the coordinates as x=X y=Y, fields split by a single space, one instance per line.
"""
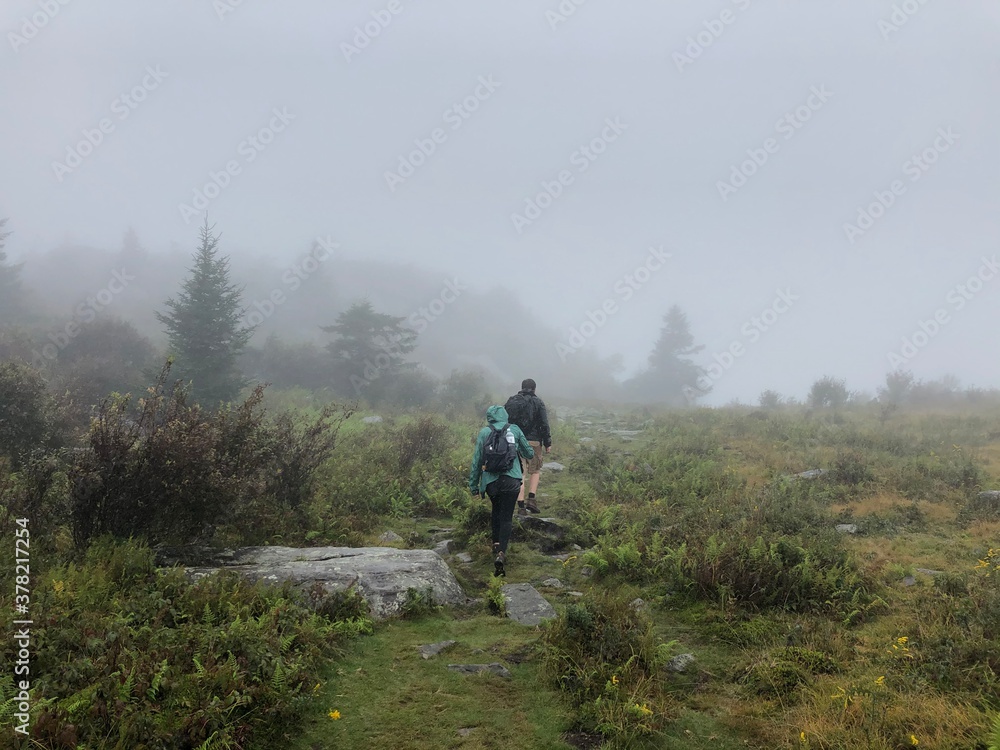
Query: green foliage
x=129 y=656
x=496 y=602
x=604 y=654
x=671 y=377
x=828 y=393
x=206 y=328
x=419 y=604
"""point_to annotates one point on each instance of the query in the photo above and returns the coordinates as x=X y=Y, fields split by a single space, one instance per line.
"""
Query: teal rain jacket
x=497 y=417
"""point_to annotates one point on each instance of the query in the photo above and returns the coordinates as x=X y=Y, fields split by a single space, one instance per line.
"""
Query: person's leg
x=531 y=476
x=504 y=505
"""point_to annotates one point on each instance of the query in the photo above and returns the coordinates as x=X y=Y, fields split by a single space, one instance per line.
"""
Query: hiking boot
x=496 y=548
x=498 y=565
x=532 y=506
x=521 y=510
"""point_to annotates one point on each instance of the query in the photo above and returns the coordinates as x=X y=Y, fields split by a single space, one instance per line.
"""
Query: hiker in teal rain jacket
x=502 y=489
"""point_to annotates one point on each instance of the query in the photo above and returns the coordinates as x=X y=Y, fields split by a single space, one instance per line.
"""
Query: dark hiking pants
x=503 y=496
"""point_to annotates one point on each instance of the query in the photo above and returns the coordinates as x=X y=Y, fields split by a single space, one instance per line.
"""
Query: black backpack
x=499 y=453
x=521 y=411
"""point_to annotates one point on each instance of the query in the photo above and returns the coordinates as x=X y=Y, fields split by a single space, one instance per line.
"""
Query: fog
x=814 y=184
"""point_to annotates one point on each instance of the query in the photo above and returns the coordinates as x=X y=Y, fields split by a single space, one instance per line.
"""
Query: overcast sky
x=821 y=108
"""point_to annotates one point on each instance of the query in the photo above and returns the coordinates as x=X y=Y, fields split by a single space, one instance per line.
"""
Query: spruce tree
x=204 y=324
x=671 y=377
x=369 y=351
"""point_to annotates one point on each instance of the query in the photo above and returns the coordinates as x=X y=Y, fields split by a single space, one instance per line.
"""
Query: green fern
x=994 y=738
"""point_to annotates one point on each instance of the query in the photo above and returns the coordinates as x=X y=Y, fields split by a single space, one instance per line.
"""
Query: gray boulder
x=989 y=496
x=390 y=537
x=847 y=528
x=552 y=466
x=525 y=605
x=381 y=575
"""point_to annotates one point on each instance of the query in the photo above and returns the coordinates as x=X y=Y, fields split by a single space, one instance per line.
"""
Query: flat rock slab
x=381 y=575
x=847 y=528
x=525 y=605
x=433 y=649
x=493 y=668
x=552 y=466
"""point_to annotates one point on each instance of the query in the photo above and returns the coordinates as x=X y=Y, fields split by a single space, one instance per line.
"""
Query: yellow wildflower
x=880 y=681
x=334 y=714
x=914 y=740
x=614 y=679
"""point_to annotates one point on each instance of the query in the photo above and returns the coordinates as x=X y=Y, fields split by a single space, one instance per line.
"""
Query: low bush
x=603 y=653
x=127 y=656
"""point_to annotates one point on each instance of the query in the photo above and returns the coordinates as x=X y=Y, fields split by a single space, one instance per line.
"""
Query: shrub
x=603 y=653
x=172 y=471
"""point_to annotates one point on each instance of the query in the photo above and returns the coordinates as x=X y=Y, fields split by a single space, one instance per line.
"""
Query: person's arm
x=545 y=434
x=476 y=469
x=524 y=448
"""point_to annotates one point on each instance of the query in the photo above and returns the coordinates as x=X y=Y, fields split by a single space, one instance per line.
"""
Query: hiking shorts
x=533 y=465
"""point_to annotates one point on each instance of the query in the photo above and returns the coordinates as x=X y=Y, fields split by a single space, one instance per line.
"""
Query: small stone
x=375 y=419
x=909 y=581
x=586 y=440
x=464 y=557
x=390 y=537
x=577 y=547
x=552 y=583
x=562 y=557
x=680 y=662
x=433 y=649
x=493 y=668
x=989 y=495
x=638 y=604
x=847 y=528
x=443 y=548
x=552 y=466
x=929 y=572
x=586 y=571
x=574 y=593
x=466 y=731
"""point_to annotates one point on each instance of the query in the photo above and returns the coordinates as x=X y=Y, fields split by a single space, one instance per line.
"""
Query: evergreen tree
x=369 y=351
x=204 y=324
x=670 y=377
x=11 y=292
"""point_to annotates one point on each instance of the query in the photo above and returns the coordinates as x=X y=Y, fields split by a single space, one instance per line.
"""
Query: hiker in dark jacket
x=502 y=489
x=527 y=411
